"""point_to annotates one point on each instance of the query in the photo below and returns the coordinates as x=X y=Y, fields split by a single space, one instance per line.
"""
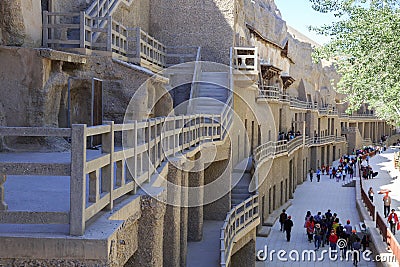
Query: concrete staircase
x=211 y=93
x=242 y=172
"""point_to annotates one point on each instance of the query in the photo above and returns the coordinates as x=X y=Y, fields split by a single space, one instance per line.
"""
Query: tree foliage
x=365 y=46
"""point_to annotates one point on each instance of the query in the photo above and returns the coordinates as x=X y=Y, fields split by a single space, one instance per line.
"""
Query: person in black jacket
x=282 y=219
x=288 y=227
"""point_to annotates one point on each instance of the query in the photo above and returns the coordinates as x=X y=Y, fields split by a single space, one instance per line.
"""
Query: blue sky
x=299 y=15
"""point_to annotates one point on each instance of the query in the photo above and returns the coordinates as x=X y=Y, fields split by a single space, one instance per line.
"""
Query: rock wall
x=20 y=23
x=34 y=91
x=207 y=23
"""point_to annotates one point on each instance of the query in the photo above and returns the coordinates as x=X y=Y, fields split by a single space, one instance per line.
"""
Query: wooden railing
x=393 y=244
x=382 y=227
x=368 y=204
x=147 y=144
x=245 y=58
x=237 y=220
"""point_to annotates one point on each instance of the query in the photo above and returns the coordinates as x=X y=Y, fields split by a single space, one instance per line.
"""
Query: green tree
x=365 y=47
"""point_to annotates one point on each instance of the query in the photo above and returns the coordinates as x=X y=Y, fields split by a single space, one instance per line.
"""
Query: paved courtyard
x=313 y=196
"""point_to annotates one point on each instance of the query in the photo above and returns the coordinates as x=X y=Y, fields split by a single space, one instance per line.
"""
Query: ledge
x=61 y=56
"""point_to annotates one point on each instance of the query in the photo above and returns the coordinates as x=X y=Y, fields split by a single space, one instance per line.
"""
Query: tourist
x=330 y=172
x=311 y=174
x=387 y=200
x=310 y=229
x=344 y=174
x=393 y=220
x=356 y=251
x=348 y=227
x=318 y=174
x=371 y=194
x=317 y=236
x=352 y=239
x=333 y=238
x=365 y=236
x=282 y=219
x=317 y=217
x=328 y=215
x=288 y=227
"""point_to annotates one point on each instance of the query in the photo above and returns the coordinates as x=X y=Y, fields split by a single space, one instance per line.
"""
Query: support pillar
x=195 y=217
x=245 y=256
x=172 y=220
x=184 y=219
x=150 y=234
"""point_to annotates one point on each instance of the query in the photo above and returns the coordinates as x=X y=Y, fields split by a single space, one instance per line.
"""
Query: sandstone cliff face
x=312 y=79
x=12 y=28
x=20 y=23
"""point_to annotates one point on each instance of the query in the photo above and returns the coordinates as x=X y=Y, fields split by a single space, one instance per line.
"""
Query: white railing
x=294 y=144
x=310 y=141
x=269 y=92
x=148 y=49
x=60 y=32
x=245 y=58
x=237 y=219
x=195 y=80
x=339 y=139
x=148 y=143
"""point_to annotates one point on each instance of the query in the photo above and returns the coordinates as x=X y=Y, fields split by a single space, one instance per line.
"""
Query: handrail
x=195 y=80
x=164 y=136
x=236 y=220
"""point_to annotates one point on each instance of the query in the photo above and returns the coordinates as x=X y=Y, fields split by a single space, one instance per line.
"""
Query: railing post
x=3 y=205
x=82 y=28
x=45 y=36
x=107 y=180
x=78 y=180
x=138 y=43
x=109 y=34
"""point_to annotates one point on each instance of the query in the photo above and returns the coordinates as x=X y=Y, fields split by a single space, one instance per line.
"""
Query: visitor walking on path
x=282 y=219
x=288 y=227
x=387 y=200
x=310 y=228
x=393 y=220
x=311 y=174
x=317 y=236
x=371 y=194
x=332 y=241
x=318 y=174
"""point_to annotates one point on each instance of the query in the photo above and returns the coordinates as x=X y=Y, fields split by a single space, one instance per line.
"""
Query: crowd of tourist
x=327 y=230
x=288 y=136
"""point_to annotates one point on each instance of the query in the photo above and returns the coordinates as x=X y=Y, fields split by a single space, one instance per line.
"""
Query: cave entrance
x=85 y=104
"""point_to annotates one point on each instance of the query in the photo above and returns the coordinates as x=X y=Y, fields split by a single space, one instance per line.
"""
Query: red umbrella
x=384 y=191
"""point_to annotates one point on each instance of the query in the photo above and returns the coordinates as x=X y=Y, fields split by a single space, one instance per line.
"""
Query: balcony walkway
x=313 y=196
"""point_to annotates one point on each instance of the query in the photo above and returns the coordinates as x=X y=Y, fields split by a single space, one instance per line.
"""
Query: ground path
x=313 y=196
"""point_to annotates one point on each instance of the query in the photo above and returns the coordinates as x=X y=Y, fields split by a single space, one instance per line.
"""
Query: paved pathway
x=313 y=196
x=383 y=163
x=206 y=253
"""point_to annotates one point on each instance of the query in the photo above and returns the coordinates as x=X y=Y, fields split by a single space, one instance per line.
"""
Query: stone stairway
x=240 y=191
x=211 y=94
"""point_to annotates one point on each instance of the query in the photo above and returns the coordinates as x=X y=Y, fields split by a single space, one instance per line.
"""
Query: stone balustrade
x=148 y=143
x=242 y=218
x=245 y=58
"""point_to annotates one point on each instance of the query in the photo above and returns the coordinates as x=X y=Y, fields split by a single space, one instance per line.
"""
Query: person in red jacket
x=393 y=220
x=333 y=238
